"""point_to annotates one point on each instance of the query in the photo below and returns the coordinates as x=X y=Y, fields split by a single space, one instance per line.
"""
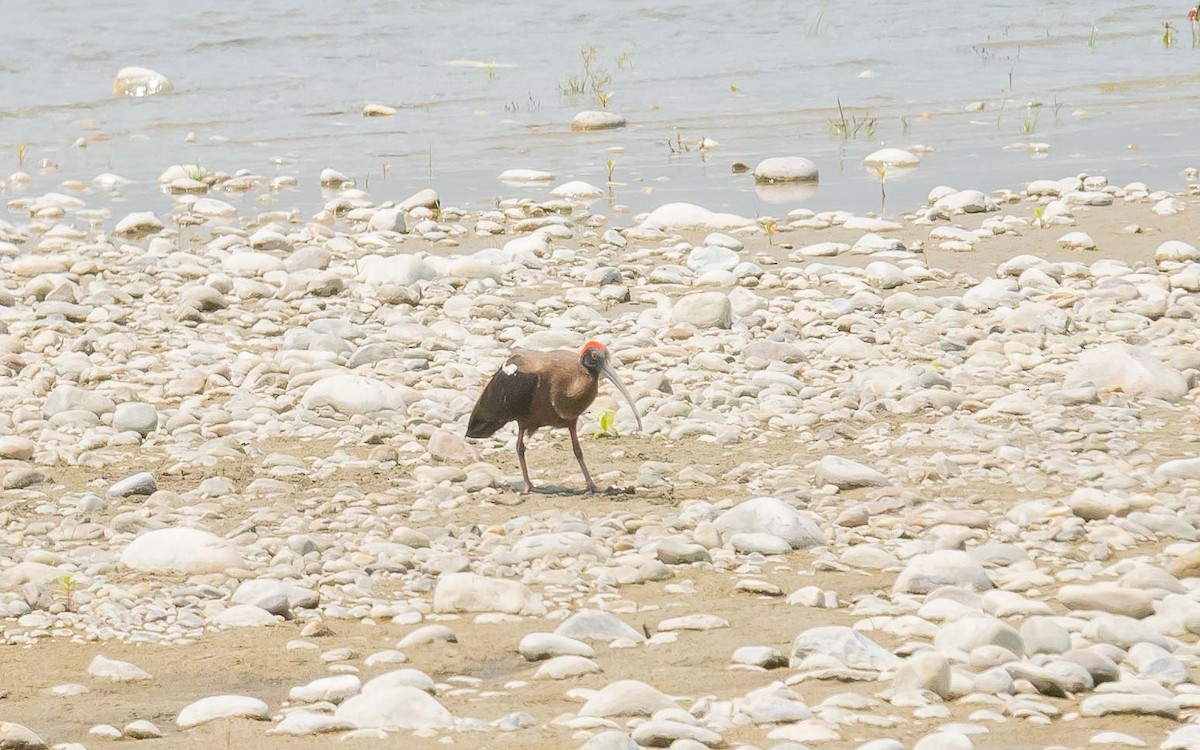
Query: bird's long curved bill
x=611 y=374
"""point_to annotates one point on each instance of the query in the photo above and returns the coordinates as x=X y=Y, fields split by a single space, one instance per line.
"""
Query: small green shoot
x=607 y=428
x=1094 y=38
x=881 y=172
x=196 y=171
x=603 y=98
x=491 y=71
x=1031 y=119
x=21 y=152
x=735 y=89
x=610 y=165
x=770 y=226
x=625 y=61
x=1168 y=35
x=66 y=586
x=592 y=80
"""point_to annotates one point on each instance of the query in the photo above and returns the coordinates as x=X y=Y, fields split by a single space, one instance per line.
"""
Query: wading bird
x=545 y=389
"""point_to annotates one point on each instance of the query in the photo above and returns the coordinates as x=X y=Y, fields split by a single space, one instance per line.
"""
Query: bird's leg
x=579 y=457
x=521 y=458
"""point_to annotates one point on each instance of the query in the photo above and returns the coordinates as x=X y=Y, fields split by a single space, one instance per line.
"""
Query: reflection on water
x=278 y=87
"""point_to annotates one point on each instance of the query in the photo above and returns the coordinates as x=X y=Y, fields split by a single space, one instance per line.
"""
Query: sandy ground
x=257 y=663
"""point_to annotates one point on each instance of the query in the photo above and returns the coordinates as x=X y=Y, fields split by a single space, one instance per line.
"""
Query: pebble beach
x=916 y=476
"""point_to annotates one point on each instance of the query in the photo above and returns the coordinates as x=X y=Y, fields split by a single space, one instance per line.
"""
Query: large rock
x=118 y=671
x=968 y=633
x=352 y=394
x=1133 y=371
x=136 y=417
x=1179 y=468
x=932 y=570
x=1176 y=251
x=597 y=625
x=846 y=474
x=71 y=398
x=891 y=157
x=786 y=169
x=408 y=677
x=1107 y=597
x=394 y=708
x=704 y=310
x=334 y=689
x=1129 y=703
x=769 y=515
x=222 y=707
x=924 y=671
x=848 y=646
x=626 y=698
x=138 y=224
x=612 y=739
x=18 y=737
x=597 y=120
x=276 y=597
x=468 y=592
x=181 y=550
x=136 y=82
x=675 y=216
x=244 y=616
x=539 y=646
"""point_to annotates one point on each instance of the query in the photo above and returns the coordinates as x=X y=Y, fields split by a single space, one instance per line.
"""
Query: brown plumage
x=545 y=389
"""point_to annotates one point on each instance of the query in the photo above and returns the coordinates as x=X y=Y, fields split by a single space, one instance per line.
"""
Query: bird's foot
x=527 y=489
x=618 y=491
x=592 y=489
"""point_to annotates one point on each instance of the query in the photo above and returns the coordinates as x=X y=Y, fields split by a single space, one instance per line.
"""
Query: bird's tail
x=479 y=427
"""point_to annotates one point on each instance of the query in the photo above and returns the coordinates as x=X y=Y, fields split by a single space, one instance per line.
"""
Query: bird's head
x=593 y=356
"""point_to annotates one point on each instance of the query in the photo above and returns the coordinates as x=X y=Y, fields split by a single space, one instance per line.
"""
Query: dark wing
x=507 y=396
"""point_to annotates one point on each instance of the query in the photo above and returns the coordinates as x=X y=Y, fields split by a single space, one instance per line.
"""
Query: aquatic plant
x=1094 y=38
x=1031 y=119
x=196 y=171
x=848 y=129
x=530 y=105
x=678 y=146
x=625 y=61
x=610 y=165
x=603 y=99
x=592 y=80
x=735 y=89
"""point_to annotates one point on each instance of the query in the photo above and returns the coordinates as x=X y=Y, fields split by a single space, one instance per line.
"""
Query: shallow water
x=277 y=87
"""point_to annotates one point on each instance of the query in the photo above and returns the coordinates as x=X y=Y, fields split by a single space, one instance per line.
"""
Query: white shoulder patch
x=509 y=369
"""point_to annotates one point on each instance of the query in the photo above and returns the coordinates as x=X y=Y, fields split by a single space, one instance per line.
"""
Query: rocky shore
x=925 y=480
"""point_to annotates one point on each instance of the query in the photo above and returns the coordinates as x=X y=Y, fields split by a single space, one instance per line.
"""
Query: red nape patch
x=592 y=345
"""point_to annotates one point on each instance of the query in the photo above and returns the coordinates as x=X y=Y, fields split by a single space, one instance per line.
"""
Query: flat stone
x=1126 y=703
x=222 y=707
